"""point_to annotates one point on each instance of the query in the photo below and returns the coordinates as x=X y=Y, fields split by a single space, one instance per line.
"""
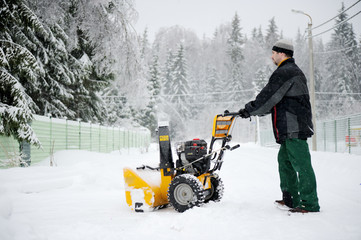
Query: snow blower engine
x=192 y=182
x=188 y=153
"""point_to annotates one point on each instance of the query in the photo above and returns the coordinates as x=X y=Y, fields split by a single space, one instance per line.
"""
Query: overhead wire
x=192 y=94
x=333 y=19
x=344 y=21
x=337 y=93
x=334 y=51
x=206 y=93
x=335 y=16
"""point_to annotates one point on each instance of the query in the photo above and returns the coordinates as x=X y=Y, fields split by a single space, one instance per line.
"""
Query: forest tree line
x=83 y=60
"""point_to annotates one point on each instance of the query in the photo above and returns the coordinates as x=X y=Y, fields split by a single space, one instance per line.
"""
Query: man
x=286 y=97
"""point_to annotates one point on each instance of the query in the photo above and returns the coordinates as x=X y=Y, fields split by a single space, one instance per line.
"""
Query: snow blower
x=192 y=182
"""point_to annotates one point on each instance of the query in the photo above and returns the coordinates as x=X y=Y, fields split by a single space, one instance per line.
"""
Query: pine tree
x=257 y=62
x=18 y=70
x=144 y=45
x=212 y=86
x=167 y=79
x=343 y=74
x=180 y=86
x=88 y=104
x=118 y=107
x=58 y=69
x=272 y=35
x=149 y=118
x=175 y=89
x=56 y=96
x=235 y=42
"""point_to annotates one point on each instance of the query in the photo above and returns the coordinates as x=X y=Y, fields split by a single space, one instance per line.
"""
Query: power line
x=337 y=101
x=344 y=21
x=206 y=93
x=338 y=50
x=335 y=16
x=336 y=93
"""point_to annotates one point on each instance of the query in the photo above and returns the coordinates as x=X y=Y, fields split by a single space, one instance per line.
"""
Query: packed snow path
x=83 y=198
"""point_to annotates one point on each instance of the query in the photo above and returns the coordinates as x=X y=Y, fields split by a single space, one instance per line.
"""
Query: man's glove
x=243 y=113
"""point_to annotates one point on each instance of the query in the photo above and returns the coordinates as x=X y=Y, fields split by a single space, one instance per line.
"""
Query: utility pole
x=312 y=78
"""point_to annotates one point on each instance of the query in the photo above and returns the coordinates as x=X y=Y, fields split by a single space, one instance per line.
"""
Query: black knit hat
x=283 y=46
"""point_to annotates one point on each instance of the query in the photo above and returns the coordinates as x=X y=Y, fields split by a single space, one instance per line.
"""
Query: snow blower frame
x=192 y=182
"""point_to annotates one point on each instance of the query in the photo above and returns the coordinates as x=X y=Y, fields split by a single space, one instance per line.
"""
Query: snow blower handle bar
x=227 y=113
x=234 y=114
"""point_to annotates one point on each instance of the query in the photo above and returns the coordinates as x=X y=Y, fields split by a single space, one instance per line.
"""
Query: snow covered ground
x=83 y=198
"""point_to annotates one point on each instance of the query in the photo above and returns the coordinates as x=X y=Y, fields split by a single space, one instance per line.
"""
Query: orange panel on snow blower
x=222 y=126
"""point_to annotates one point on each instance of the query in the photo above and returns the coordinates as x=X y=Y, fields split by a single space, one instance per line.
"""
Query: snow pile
x=83 y=198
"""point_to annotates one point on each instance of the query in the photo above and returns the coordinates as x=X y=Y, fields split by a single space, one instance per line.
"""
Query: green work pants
x=297 y=175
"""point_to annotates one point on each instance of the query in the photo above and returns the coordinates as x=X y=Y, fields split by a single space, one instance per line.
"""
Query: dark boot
x=286 y=200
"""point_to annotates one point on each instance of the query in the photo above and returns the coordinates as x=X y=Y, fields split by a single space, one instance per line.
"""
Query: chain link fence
x=61 y=134
x=338 y=135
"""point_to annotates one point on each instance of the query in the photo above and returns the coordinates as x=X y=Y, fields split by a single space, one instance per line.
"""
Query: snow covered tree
x=118 y=106
x=257 y=35
x=258 y=63
x=343 y=72
x=18 y=70
x=167 y=79
x=89 y=81
x=180 y=86
x=262 y=76
x=235 y=42
x=212 y=86
x=15 y=105
x=175 y=91
x=218 y=61
x=55 y=96
x=272 y=35
x=144 y=46
x=148 y=116
x=154 y=86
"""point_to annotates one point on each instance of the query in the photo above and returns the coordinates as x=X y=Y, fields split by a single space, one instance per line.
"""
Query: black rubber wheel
x=217 y=190
x=184 y=192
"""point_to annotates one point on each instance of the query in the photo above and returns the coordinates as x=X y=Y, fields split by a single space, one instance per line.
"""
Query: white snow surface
x=83 y=198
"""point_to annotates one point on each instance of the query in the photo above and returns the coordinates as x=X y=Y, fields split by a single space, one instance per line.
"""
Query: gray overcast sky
x=204 y=16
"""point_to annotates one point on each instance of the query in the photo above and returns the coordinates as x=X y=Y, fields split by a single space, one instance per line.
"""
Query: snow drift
x=83 y=198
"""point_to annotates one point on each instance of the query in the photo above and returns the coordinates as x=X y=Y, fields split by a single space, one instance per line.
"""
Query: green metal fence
x=61 y=134
x=338 y=135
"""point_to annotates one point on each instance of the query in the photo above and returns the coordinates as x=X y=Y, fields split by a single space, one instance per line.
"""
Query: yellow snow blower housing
x=144 y=192
x=190 y=183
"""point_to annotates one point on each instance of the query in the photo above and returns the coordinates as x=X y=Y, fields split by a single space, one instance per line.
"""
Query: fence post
x=90 y=128
x=66 y=133
x=113 y=137
x=324 y=137
x=349 y=134
x=106 y=139
x=118 y=138
x=123 y=138
x=51 y=133
x=128 y=141
x=99 y=137
x=335 y=135
x=79 y=130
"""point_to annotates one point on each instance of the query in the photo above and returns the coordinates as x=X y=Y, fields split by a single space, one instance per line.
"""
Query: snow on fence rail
x=61 y=134
x=338 y=135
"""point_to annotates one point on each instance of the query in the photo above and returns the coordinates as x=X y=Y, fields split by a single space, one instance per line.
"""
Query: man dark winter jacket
x=286 y=97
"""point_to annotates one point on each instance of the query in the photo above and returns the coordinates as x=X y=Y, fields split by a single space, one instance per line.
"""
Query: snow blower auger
x=192 y=182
